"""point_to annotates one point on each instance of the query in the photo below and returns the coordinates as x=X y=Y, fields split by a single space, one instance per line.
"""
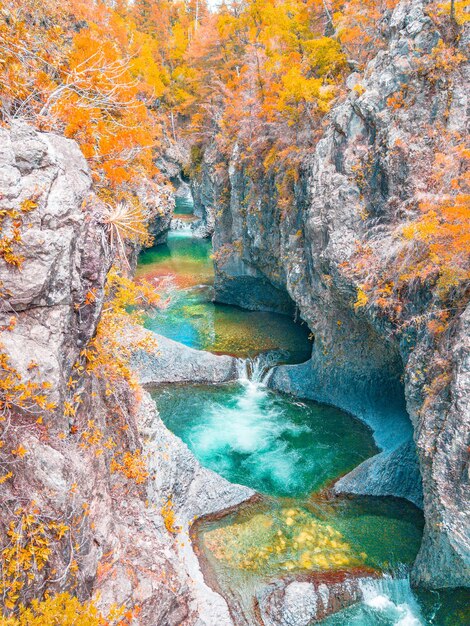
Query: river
x=289 y=451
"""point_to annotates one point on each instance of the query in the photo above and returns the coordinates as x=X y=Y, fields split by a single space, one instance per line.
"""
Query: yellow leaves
x=326 y=56
x=108 y=355
x=132 y=465
x=28 y=205
x=297 y=87
x=361 y=299
x=18 y=394
x=20 y=451
x=27 y=552
x=69 y=409
x=168 y=516
x=5 y=477
x=11 y=223
x=72 y=383
x=59 y=528
x=64 y=610
x=359 y=89
x=92 y=436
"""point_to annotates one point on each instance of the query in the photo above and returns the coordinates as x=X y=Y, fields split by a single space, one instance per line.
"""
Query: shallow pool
x=182 y=270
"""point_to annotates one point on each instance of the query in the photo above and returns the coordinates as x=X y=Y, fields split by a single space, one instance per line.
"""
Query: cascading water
x=254 y=436
x=387 y=601
x=259 y=368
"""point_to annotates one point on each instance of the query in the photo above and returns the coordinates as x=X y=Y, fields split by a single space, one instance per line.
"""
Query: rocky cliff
x=365 y=179
x=71 y=444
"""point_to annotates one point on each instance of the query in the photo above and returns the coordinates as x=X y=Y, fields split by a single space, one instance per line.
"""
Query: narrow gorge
x=235 y=347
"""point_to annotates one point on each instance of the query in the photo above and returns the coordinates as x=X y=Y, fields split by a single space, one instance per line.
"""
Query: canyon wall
x=364 y=180
x=106 y=527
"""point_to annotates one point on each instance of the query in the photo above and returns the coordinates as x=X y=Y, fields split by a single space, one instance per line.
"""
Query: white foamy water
x=386 y=602
x=251 y=427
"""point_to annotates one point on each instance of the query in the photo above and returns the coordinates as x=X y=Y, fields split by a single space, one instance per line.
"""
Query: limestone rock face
x=159 y=203
x=64 y=250
x=122 y=542
x=390 y=473
x=361 y=360
x=205 y=188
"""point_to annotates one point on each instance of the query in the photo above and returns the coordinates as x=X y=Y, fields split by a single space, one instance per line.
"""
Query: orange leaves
x=131 y=465
x=441 y=61
x=355 y=23
x=20 y=451
x=169 y=519
x=444 y=229
x=90 y=85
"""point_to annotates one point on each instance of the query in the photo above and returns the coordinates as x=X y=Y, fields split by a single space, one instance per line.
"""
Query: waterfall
x=393 y=599
x=178 y=227
x=388 y=601
x=259 y=369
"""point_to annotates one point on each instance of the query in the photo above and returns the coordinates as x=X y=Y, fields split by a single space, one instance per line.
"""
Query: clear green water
x=288 y=451
x=183 y=270
x=267 y=441
x=279 y=537
x=184 y=206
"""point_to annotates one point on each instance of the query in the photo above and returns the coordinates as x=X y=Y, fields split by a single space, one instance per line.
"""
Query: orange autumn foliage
x=444 y=230
x=85 y=72
x=131 y=465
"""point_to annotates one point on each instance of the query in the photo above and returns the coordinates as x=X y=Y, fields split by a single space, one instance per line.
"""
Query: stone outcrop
x=174 y=362
x=302 y=603
x=159 y=203
x=362 y=360
x=65 y=254
x=391 y=473
x=205 y=187
x=119 y=538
